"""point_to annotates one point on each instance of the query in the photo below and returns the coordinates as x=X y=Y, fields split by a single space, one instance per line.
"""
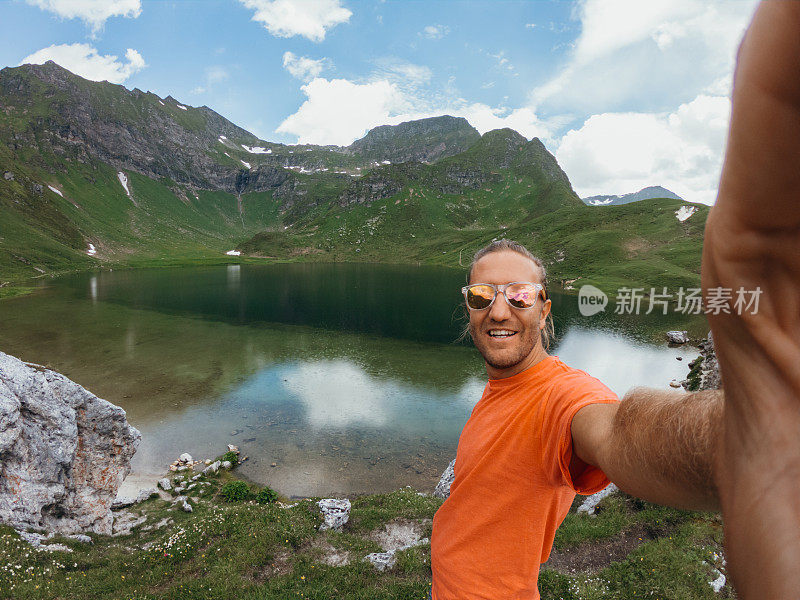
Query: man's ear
x=545 y=311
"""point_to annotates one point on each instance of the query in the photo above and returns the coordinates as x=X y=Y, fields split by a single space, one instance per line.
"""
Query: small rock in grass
x=678 y=337
x=181 y=502
x=335 y=512
x=590 y=504
x=382 y=560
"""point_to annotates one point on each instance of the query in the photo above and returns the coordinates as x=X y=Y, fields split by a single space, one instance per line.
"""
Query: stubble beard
x=524 y=348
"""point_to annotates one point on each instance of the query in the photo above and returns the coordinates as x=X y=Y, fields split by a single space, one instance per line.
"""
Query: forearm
x=662 y=447
x=752 y=241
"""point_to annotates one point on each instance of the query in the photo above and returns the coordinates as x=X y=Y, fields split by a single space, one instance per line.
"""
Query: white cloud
x=645 y=55
x=303 y=67
x=309 y=18
x=502 y=60
x=213 y=75
x=435 y=32
x=340 y=111
x=530 y=25
x=84 y=60
x=402 y=72
x=485 y=118
x=615 y=153
x=93 y=12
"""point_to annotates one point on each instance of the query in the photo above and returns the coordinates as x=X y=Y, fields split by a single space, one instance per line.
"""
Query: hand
x=753 y=240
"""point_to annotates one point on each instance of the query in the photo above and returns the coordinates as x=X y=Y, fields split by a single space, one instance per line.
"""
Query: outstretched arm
x=655 y=445
x=752 y=240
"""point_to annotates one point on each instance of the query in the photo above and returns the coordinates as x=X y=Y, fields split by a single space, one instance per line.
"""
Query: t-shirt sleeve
x=573 y=392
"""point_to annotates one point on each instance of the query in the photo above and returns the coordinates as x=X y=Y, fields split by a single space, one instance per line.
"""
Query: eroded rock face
x=63 y=451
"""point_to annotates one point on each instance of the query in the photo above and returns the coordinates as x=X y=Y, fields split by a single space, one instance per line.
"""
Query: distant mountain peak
x=653 y=191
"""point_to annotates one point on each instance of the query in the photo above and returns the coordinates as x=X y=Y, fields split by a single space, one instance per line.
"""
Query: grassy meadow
x=241 y=542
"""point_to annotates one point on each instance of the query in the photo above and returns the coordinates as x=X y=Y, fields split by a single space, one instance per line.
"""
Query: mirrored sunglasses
x=518 y=294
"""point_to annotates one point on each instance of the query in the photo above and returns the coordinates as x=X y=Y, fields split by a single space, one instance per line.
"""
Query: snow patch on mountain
x=245 y=163
x=257 y=149
x=598 y=202
x=182 y=107
x=684 y=212
x=57 y=191
x=233 y=253
x=123 y=179
x=92 y=250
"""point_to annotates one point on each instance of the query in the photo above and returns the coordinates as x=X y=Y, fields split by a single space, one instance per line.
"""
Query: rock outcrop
x=63 y=451
x=443 y=487
x=704 y=370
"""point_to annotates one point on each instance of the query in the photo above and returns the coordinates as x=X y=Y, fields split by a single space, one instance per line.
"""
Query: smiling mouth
x=501 y=334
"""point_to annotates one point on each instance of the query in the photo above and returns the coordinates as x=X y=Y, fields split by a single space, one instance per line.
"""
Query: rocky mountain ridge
x=54 y=112
x=94 y=173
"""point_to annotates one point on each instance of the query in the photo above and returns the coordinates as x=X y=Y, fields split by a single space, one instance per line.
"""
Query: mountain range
x=94 y=175
x=653 y=191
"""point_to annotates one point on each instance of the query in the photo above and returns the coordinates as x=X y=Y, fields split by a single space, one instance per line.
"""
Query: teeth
x=501 y=333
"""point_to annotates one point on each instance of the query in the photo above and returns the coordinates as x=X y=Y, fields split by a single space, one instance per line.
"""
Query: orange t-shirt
x=512 y=486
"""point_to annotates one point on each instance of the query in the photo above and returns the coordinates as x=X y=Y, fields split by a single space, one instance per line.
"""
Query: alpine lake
x=333 y=379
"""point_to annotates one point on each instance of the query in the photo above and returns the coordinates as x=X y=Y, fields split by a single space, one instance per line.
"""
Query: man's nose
x=500 y=310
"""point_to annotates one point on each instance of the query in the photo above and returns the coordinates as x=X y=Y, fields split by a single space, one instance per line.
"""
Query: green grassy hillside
x=200 y=186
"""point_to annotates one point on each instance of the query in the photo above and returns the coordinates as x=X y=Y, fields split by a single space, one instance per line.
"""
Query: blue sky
x=625 y=93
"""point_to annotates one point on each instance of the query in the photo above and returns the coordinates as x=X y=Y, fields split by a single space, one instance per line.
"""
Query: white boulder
x=65 y=451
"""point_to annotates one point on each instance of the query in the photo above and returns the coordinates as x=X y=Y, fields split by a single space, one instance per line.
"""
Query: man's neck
x=537 y=355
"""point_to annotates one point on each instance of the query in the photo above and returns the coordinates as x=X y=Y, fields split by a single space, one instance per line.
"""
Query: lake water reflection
x=346 y=377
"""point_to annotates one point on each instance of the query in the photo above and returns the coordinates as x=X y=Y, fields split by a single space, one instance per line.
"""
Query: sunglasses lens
x=479 y=296
x=522 y=295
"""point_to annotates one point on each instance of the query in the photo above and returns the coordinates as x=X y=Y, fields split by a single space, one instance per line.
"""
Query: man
x=543 y=431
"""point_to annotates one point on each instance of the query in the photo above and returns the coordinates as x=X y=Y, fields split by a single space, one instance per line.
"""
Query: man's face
x=506 y=355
